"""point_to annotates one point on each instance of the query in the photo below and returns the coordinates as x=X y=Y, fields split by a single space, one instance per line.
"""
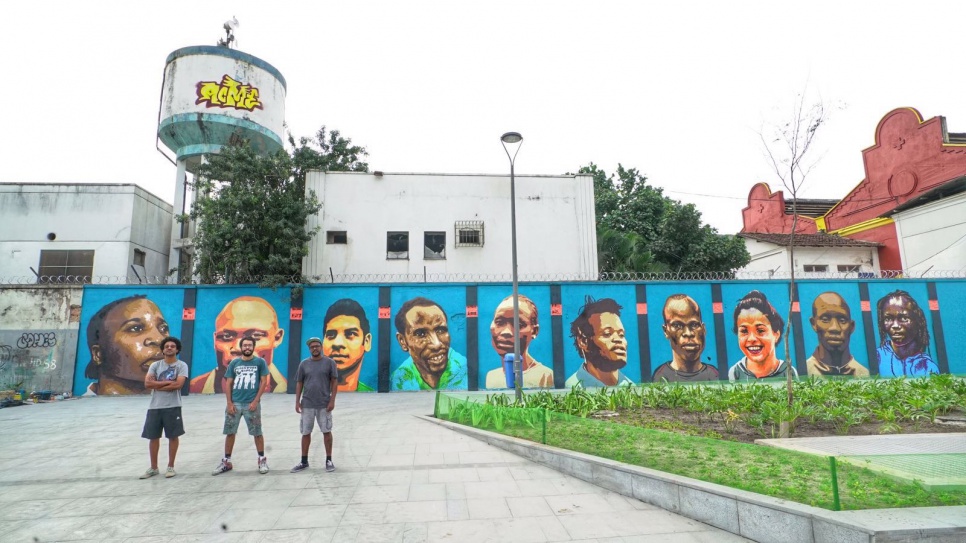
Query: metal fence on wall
x=382 y=278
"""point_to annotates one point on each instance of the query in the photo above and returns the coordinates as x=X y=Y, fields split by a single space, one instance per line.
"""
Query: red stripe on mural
x=188 y=314
x=866 y=306
x=295 y=314
x=384 y=312
x=472 y=311
x=717 y=307
x=934 y=305
x=642 y=309
x=556 y=310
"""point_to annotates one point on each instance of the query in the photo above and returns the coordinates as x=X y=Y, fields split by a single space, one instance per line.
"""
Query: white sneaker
x=262 y=465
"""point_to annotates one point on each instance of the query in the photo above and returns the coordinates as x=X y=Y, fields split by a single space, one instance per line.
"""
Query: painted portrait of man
x=903 y=337
x=535 y=374
x=686 y=332
x=833 y=325
x=346 y=339
x=599 y=338
x=124 y=339
x=422 y=330
x=244 y=316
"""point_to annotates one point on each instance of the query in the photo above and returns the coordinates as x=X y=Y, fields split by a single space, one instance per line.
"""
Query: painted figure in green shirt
x=422 y=330
x=346 y=339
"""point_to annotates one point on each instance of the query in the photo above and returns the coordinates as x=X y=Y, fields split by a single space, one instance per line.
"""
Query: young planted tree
x=788 y=149
x=252 y=209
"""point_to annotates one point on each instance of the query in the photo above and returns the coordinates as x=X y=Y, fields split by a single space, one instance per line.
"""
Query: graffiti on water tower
x=228 y=93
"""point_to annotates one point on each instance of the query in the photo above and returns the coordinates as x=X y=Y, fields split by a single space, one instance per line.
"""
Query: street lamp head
x=511 y=137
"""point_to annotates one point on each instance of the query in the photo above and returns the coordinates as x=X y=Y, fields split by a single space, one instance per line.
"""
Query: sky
x=678 y=90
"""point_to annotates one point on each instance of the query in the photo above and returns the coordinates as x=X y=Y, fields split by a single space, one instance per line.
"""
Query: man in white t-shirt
x=164 y=379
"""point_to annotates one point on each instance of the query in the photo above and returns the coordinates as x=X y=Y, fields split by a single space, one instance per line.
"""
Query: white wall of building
x=933 y=236
x=768 y=257
x=556 y=230
x=111 y=219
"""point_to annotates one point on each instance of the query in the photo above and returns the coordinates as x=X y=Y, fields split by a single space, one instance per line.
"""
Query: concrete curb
x=757 y=517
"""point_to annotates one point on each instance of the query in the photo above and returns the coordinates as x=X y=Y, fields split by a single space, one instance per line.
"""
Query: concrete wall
x=933 y=236
x=556 y=232
x=111 y=219
x=38 y=336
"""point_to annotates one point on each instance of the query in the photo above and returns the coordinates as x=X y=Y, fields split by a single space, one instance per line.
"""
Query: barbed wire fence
x=382 y=278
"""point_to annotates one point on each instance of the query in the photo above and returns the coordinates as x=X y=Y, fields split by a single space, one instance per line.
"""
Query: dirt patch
x=695 y=424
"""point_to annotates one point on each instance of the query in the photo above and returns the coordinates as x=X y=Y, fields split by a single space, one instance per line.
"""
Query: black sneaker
x=329 y=466
x=299 y=467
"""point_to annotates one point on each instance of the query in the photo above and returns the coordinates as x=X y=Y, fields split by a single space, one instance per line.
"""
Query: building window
x=397 y=245
x=816 y=268
x=469 y=233
x=57 y=265
x=434 y=245
x=848 y=268
x=338 y=237
x=139 y=256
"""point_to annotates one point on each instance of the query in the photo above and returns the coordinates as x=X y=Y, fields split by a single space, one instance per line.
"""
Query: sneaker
x=329 y=466
x=262 y=465
x=150 y=473
x=169 y=473
x=299 y=467
x=223 y=466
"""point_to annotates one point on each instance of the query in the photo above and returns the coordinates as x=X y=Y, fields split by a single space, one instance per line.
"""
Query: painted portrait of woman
x=124 y=338
x=759 y=329
x=903 y=337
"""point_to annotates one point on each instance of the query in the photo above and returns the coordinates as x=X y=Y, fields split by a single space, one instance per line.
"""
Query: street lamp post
x=514 y=138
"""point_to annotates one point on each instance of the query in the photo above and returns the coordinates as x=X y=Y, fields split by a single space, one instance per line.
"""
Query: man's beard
x=605 y=364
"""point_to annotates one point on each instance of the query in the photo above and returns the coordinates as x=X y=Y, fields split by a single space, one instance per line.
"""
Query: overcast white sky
x=675 y=89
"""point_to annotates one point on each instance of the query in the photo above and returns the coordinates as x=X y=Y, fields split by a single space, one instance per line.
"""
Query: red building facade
x=911 y=158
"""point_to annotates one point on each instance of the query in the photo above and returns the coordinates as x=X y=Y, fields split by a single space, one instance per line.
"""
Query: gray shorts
x=312 y=416
x=253 y=419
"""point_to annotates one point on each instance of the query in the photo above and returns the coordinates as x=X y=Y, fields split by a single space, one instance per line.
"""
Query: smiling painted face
x=134 y=331
x=898 y=322
x=756 y=338
x=426 y=339
x=607 y=348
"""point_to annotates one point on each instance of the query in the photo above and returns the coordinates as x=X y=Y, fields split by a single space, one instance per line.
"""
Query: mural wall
x=455 y=336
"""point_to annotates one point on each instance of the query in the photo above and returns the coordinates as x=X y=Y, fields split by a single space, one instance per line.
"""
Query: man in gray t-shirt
x=164 y=379
x=316 y=384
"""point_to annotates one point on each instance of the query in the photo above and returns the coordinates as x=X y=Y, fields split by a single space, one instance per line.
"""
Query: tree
x=639 y=229
x=252 y=209
x=787 y=147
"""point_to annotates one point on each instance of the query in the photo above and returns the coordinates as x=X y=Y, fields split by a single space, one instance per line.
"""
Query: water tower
x=212 y=96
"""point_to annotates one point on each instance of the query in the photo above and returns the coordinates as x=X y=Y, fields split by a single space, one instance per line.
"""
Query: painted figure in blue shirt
x=599 y=337
x=904 y=337
x=422 y=330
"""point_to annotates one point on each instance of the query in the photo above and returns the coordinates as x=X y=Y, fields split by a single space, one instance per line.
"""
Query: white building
x=932 y=231
x=450 y=224
x=818 y=255
x=82 y=230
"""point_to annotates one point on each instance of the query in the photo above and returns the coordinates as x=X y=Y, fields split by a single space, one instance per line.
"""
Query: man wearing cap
x=316 y=384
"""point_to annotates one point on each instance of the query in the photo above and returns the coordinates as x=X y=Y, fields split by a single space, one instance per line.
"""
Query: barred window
x=469 y=233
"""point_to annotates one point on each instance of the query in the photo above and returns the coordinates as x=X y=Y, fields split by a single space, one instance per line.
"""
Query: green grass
x=773 y=472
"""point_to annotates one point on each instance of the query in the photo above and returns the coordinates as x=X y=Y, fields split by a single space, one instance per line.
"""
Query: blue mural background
x=657 y=295
x=316 y=301
x=168 y=299
x=541 y=347
x=210 y=300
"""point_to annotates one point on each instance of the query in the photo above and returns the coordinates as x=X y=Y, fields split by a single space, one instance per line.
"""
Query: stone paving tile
x=399 y=479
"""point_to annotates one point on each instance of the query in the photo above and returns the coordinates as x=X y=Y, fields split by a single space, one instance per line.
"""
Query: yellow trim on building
x=820 y=223
x=863 y=226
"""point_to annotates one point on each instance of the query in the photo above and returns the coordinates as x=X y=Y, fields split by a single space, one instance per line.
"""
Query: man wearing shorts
x=246 y=380
x=164 y=379
x=316 y=383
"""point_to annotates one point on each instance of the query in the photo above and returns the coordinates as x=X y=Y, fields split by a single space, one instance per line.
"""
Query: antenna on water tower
x=229 y=38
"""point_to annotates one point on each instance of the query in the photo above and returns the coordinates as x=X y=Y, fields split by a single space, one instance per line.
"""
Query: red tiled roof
x=810 y=240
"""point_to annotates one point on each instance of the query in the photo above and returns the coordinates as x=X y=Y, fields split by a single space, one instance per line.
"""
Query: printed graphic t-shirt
x=246 y=375
x=162 y=371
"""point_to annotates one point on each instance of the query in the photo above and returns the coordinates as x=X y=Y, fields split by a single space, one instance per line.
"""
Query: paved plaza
x=69 y=471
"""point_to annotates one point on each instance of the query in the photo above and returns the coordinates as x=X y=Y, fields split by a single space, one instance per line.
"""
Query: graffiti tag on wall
x=228 y=93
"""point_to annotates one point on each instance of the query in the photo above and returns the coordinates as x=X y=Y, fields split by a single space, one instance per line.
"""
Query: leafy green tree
x=252 y=209
x=640 y=229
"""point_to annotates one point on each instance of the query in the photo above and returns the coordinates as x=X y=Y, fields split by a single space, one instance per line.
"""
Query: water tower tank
x=213 y=95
